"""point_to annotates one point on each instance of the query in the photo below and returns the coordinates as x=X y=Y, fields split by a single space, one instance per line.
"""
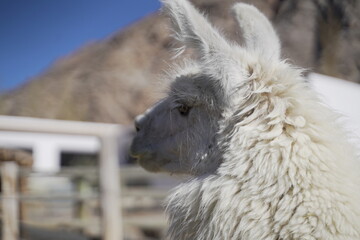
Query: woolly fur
x=287 y=172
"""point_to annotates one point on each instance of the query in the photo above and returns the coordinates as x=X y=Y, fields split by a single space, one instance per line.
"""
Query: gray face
x=178 y=134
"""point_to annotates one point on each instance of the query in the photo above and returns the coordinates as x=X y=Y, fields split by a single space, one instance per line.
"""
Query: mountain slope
x=117 y=78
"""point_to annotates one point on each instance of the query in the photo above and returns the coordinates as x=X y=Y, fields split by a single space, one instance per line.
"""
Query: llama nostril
x=138 y=121
x=137 y=125
x=137 y=128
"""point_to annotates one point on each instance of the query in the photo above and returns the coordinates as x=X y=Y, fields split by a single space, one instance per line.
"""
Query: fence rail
x=108 y=163
x=142 y=205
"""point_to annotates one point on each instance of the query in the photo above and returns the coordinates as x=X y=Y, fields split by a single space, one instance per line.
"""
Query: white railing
x=109 y=180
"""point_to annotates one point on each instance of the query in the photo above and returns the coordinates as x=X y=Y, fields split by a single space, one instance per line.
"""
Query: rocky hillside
x=115 y=79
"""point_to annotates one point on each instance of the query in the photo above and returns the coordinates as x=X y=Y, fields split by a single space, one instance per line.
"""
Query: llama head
x=180 y=134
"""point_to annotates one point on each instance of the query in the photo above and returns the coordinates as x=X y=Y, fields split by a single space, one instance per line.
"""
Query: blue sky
x=34 y=33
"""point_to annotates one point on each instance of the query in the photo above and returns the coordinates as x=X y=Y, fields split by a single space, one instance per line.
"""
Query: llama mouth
x=141 y=154
x=138 y=150
x=152 y=163
x=147 y=158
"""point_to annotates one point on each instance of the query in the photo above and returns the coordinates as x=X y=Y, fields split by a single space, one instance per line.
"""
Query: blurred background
x=100 y=61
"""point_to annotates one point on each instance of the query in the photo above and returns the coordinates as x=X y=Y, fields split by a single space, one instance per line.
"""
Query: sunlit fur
x=269 y=161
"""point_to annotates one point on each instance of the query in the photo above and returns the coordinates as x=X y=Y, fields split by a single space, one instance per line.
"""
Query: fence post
x=112 y=225
x=10 y=203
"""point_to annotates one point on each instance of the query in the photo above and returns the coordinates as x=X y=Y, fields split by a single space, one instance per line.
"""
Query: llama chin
x=267 y=157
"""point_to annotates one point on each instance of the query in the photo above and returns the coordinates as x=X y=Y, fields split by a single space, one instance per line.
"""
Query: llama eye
x=184 y=110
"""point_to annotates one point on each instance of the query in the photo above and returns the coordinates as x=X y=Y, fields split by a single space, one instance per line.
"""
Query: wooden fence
x=141 y=205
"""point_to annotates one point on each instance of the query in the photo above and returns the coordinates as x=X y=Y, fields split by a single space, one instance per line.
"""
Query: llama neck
x=280 y=149
x=282 y=130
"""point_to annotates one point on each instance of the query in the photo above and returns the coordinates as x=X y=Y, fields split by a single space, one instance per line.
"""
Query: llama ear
x=192 y=28
x=258 y=33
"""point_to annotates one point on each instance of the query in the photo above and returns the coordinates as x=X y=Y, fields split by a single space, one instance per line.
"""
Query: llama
x=267 y=158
